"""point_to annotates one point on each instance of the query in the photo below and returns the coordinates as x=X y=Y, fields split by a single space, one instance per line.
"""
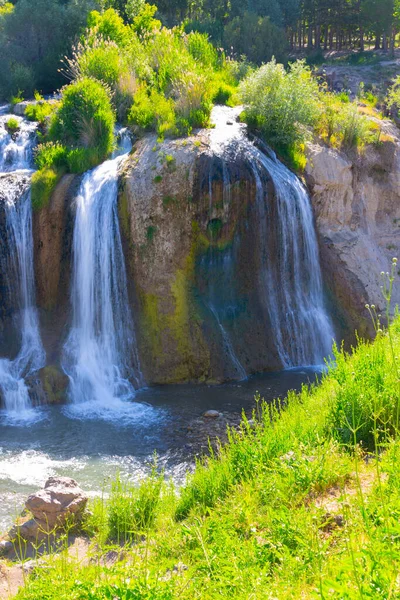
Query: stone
x=6 y=547
x=54 y=383
x=61 y=501
x=211 y=414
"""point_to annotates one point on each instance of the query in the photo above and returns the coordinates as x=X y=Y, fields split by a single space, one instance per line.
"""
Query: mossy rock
x=54 y=383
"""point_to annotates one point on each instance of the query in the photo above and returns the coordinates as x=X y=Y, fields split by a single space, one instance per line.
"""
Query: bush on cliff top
x=85 y=117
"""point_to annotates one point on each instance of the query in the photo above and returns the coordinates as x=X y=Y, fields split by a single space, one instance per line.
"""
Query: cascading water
x=290 y=274
x=16 y=159
x=290 y=280
x=101 y=344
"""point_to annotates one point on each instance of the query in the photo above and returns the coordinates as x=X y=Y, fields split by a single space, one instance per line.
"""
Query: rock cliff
x=356 y=201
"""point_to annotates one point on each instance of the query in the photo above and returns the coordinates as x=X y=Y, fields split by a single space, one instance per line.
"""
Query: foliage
x=255 y=37
x=393 y=96
x=279 y=103
x=341 y=123
x=144 y=23
x=40 y=111
x=50 y=154
x=43 y=184
x=12 y=125
x=132 y=510
x=33 y=39
x=85 y=118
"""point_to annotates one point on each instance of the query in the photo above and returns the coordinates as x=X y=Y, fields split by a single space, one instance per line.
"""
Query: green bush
x=202 y=50
x=12 y=125
x=50 y=154
x=85 y=118
x=102 y=61
x=80 y=160
x=110 y=26
x=39 y=112
x=393 y=96
x=43 y=184
x=281 y=104
x=153 y=112
x=354 y=127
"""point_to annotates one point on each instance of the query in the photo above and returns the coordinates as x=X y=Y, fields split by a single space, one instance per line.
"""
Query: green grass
x=302 y=502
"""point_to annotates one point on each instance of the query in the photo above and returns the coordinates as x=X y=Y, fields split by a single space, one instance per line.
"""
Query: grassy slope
x=291 y=508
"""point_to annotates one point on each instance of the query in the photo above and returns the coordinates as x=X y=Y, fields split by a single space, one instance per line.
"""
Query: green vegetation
x=40 y=111
x=35 y=36
x=43 y=185
x=12 y=125
x=287 y=107
x=302 y=502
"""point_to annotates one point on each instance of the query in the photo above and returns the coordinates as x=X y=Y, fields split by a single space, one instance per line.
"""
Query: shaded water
x=92 y=451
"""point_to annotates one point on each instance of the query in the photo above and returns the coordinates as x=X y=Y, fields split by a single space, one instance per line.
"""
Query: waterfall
x=16 y=155
x=290 y=281
x=101 y=344
x=290 y=273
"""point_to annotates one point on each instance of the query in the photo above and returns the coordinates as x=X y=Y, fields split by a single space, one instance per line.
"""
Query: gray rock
x=211 y=414
x=6 y=547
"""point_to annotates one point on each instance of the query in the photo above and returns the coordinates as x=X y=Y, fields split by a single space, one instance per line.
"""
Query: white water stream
x=16 y=159
x=101 y=344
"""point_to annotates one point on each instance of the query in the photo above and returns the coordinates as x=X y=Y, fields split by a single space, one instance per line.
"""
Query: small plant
x=150 y=232
x=12 y=125
x=158 y=179
x=132 y=510
x=40 y=112
x=17 y=98
x=168 y=200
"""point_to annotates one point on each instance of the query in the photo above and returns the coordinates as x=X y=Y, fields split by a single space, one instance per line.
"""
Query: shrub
x=202 y=50
x=192 y=101
x=109 y=25
x=85 y=118
x=12 y=125
x=80 y=160
x=39 y=112
x=145 y=23
x=42 y=186
x=354 y=127
x=51 y=154
x=153 y=111
x=281 y=104
x=393 y=96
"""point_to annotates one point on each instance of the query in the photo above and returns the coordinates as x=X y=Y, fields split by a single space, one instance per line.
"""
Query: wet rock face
x=188 y=220
x=356 y=202
x=52 y=243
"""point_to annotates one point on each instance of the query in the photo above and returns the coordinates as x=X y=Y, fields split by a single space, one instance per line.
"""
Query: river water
x=93 y=447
